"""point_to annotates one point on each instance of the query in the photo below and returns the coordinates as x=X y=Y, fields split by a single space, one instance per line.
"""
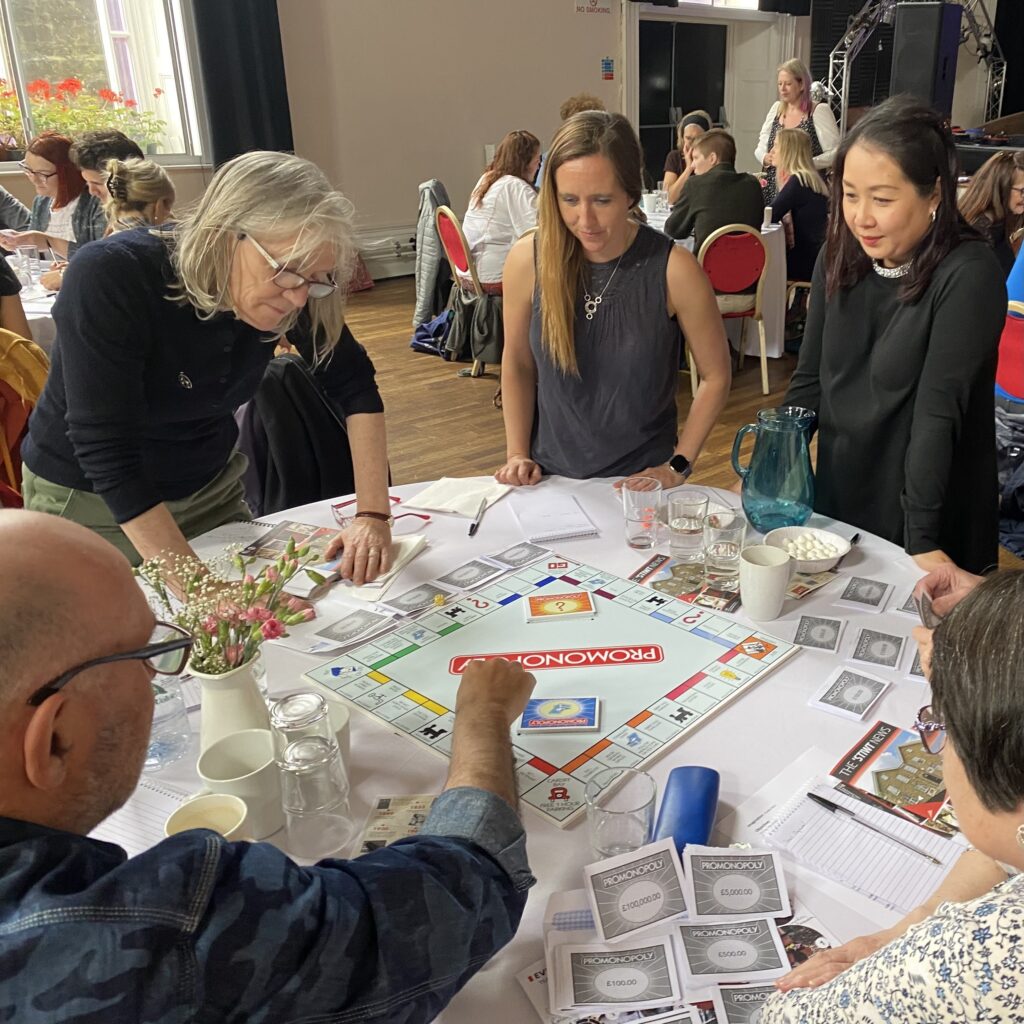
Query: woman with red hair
x=64 y=215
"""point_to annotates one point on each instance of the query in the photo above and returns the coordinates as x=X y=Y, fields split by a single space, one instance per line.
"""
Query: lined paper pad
x=838 y=848
x=546 y=517
x=140 y=823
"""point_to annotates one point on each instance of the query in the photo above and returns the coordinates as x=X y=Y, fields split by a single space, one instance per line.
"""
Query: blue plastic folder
x=688 y=806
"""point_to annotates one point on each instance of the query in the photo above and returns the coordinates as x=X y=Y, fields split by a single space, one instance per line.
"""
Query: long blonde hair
x=275 y=197
x=793 y=157
x=797 y=69
x=133 y=186
x=562 y=270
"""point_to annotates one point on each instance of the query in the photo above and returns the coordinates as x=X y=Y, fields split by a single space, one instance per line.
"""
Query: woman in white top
x=796 y=110
x=503 y=205
x=957 y=958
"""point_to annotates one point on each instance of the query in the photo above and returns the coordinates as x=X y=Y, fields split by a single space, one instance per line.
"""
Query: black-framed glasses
x=1019 y=189
x=38 y=175
x=287 y=279
x=166 y=654
x=931 y=729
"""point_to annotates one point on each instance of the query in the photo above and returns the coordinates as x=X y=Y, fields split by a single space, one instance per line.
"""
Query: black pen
x=475 y=525
x=831 y=807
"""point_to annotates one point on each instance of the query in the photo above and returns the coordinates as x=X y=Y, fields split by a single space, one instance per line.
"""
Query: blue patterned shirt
x=964 y=963
x=198 y=929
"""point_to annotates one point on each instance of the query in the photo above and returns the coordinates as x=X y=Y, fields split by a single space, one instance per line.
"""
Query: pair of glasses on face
x=404 y=522
x=43 y=176
x=286 y=279
x=931 y=729
x=166 y=654
x=1019 y=189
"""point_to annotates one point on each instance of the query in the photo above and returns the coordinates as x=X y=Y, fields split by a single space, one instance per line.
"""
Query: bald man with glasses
x=199 y=928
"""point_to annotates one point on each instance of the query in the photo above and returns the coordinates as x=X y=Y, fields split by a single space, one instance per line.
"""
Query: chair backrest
x=23 y=370
x=734 y=257
x=456 y=248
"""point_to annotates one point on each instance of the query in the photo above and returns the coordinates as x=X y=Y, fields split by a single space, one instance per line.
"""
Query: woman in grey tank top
x=594 y=304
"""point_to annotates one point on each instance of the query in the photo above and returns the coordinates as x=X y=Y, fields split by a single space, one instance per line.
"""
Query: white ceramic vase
x=231 y=701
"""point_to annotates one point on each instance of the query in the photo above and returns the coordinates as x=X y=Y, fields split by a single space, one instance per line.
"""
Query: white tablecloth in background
x=773 y=299
x=748 y=743
x=39 y=312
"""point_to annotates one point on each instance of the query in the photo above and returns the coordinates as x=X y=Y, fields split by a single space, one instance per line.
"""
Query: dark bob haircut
x=976 y=677
x=916 y=138
x=92 y=150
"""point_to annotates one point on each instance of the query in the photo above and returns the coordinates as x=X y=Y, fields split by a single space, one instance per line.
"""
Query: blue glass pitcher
x=778 y=484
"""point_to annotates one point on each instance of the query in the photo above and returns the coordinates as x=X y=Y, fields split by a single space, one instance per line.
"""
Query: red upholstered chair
x=735 y=258
x=460 y=259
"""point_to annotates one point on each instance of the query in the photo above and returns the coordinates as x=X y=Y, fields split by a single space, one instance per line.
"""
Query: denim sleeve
x=391 y=936
x=14 y=215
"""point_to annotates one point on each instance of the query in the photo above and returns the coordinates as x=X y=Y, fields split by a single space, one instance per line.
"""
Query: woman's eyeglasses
x=287 y=279
x=42 y=176
x=931 y=729
x=404 y=522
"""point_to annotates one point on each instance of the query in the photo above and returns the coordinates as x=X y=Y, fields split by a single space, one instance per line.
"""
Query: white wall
x=388 y=93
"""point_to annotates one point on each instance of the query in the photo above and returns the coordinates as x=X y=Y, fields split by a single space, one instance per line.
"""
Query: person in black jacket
x=717 y=194
x=161 y=335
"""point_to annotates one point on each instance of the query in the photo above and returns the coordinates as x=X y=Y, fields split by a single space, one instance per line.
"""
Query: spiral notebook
x=550 y=517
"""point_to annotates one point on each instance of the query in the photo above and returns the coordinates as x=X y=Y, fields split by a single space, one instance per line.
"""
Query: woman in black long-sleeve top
x=898 y=357
x=803 y=194
x=161 y=335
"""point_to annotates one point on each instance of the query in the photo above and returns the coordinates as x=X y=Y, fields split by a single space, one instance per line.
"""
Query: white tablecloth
x=773 y=299
x=39 y=312
x=748 y=743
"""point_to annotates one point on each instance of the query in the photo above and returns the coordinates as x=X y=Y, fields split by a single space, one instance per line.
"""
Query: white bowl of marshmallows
x=811 y=550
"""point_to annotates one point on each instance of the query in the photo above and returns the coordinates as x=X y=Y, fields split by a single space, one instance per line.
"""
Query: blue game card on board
x=556 y=714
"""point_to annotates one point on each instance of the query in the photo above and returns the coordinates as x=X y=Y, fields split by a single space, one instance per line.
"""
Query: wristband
x=380 y=516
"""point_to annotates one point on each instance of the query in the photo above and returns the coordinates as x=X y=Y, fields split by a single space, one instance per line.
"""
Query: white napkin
x=458 y=495
x=403 y=551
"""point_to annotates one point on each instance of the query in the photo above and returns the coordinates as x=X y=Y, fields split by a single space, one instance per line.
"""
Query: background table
x=748 y=743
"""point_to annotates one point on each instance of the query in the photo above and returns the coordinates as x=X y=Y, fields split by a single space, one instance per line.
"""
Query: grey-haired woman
x=161 y=335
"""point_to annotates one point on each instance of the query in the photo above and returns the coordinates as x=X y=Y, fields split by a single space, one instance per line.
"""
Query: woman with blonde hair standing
x=803 y=195
x=796 y=109
x=162 y=334
x=594 y=307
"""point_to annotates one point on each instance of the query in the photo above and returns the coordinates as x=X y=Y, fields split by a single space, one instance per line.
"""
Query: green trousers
x=221 y=501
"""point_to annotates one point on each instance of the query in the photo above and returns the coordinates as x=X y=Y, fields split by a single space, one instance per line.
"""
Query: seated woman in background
x=678 y=165
x=503 y=205
x=594 y=304
x=64 y=215
x=994 y=204
x=139 y=194
x=803 y=194
x=957 y=957
x=906 y=444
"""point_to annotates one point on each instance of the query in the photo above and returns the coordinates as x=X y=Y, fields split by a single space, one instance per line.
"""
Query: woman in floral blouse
x=957 y=958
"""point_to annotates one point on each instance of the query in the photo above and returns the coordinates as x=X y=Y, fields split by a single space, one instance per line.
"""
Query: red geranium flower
x=107 y=95
x=130 y=104
x=70 y=85
x=39 y=89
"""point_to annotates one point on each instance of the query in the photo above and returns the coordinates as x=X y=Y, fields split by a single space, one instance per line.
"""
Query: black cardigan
x=139 y=403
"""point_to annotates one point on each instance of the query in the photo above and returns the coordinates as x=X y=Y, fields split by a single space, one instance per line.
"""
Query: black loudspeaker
x=925 y=44
x=800 y=7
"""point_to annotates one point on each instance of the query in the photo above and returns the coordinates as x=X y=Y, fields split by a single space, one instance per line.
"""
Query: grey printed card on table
x=635 y=891
x=737 y=1004
x=728 y=884
x=638 y=976
x=735 y=951
x=849 y=693
x=865 y=595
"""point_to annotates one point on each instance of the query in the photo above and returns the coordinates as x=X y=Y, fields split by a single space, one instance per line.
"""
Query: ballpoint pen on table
x=832 y=808
x=475 y=525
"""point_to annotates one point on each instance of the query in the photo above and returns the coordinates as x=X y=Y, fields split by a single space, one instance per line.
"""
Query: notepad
x=840 y=849
x=549 y=517
x=140 y=823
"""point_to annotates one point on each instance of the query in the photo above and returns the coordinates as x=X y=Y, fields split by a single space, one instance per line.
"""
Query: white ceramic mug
x=220 y=812
x=649 y=201
x=242 y=764
x=764 y=577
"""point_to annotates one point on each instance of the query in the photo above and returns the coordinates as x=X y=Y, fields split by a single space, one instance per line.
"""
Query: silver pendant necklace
x=591 y=302
x=892 y=272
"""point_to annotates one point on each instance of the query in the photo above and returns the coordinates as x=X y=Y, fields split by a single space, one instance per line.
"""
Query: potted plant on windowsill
x=230 y=618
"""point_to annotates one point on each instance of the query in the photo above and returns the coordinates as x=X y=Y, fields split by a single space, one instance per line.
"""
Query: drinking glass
x=314 y=792
x=297 y=716
x=620 y=810
x=686 y=512
x=641 y=504
x=28 y=263
x=723 y=541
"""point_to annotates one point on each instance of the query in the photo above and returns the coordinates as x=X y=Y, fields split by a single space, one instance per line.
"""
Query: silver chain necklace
x=590 y=303
x=892 y=272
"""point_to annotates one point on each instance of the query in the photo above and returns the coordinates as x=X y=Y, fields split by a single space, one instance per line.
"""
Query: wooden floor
x=443 y=425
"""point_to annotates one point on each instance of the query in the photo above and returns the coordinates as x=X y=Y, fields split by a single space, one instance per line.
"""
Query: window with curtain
x=82 y=65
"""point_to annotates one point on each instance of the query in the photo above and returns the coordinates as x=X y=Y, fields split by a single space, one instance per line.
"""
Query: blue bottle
x=778 y=484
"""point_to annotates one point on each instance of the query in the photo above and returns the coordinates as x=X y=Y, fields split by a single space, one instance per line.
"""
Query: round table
x=749 y=742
